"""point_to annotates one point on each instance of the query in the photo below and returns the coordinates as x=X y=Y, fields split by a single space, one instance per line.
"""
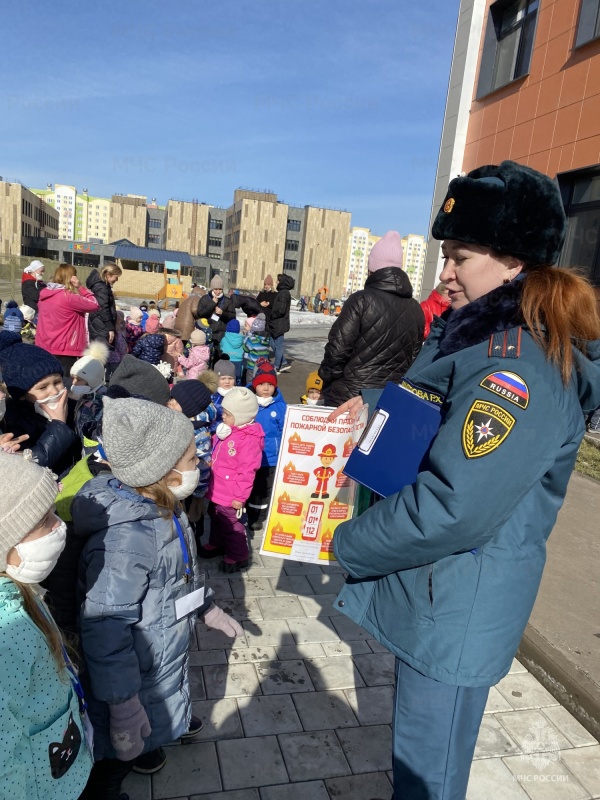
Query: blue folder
x=392 y=447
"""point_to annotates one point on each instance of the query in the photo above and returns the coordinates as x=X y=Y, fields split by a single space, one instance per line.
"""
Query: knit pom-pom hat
x=142 y=440
x=141 y=378
x=259 y=324
x=233 y=326
x=216 y=282
x=387 y=252
x=265 y=373
x=90 y=367
x=135 y=314
x=225 y=368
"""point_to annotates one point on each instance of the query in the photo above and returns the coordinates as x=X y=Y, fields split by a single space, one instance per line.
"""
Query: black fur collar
x=496 y=311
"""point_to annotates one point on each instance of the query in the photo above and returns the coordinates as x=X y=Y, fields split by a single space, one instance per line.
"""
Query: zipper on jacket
x=430 y=585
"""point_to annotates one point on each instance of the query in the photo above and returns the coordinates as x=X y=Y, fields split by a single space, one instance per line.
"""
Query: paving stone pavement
x=300 y=708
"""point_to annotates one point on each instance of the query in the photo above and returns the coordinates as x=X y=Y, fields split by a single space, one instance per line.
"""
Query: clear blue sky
x=333 y=103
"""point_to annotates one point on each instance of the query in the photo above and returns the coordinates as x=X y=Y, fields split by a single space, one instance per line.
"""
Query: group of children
x=119 y=562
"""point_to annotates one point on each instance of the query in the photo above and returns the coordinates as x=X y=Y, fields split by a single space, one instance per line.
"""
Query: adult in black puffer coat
x=379 y=332
x=279 y=320
x=102 y=323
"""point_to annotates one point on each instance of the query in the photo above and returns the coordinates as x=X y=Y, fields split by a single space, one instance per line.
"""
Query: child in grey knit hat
x=140 y=587
x=49 y=759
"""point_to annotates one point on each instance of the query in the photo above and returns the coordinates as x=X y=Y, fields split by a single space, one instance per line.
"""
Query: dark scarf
x=472 y=324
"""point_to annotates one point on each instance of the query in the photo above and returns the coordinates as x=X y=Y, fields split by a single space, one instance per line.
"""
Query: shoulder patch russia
x=509 y=386
x=485 y=427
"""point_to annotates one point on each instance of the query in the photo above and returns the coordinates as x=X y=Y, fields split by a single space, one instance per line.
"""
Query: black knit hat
x=192 y=396
x=510 y=208
x=141 y=379
x=23 y=365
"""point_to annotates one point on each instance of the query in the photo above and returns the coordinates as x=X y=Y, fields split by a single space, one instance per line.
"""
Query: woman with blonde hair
x=62 y=307
x=445 y=572
x=102 y=324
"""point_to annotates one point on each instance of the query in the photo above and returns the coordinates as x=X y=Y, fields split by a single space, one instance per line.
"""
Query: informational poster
x=311 y=494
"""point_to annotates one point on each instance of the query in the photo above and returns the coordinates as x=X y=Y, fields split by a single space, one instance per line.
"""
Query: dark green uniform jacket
x=445 y=573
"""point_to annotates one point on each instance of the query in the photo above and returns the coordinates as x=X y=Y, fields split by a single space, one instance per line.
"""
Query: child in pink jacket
x=199 y=356
x=238 y=446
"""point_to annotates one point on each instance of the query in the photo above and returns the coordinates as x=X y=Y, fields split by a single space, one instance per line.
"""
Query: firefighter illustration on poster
x=324 y=472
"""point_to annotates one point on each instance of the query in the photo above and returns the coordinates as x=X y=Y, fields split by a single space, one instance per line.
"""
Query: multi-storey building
x=128 y=219
x=525 y=85
x=195 y=227
x=415 y=249
x=23 y=216
x=265 y=235
x=63 y=199
x=361 y=242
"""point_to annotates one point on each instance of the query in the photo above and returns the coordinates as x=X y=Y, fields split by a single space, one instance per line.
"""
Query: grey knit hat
x=142 y=439
x=141 y=378
x=225 y=368
x=242 y=403
x=28 y=493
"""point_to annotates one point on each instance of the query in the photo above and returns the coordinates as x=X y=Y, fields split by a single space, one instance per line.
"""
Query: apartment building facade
x=361 y=241
x=264 y=235
x=414 y=249
x=525 y=85
x=24 y=215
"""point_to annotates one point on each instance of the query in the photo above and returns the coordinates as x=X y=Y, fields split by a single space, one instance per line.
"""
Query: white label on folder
x=374 y=428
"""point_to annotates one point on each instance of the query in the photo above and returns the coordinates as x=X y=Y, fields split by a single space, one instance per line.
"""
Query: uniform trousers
x=435 y=729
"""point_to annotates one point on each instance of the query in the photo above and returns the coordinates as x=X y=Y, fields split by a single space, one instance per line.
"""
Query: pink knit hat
x=387 y=252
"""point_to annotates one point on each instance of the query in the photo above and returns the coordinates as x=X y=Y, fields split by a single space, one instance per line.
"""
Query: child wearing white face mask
x=44 y=753
x=88 y=387
x=38 y=404
x=139 y=588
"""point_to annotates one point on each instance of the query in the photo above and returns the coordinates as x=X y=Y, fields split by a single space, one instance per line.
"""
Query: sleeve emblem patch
x=486 y=426
x=509 y=386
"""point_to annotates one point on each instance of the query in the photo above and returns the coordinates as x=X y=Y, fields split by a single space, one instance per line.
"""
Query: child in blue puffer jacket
x=232 y=344
x=271 y=417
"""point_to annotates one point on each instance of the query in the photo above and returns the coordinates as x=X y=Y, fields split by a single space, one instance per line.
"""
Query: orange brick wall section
x=550 y=119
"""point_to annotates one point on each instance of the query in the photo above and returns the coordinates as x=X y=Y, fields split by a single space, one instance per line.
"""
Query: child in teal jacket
x=43 y=752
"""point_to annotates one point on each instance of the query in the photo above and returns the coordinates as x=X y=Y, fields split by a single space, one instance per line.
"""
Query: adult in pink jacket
x=238 y=446
x=62 y=309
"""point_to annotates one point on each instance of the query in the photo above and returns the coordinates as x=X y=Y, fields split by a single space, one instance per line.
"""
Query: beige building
x=415 y=251
x=325 y=251
x=128 y=219
x=255 y=234
x=23 y=215
x=360 y=244
x=187 y=227
x=265 y=236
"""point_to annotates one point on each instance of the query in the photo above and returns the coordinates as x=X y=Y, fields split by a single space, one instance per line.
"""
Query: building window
x=214 y=242
x=581 y=197
x=588 y=27
x=508 y=43
x=152 y=223
x=293 y=224
x=215 y=224
x=291 y=244
x=153 y=238
x=289 y=265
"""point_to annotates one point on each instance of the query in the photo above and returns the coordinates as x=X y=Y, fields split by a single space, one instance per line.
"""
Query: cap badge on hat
x=449 y=205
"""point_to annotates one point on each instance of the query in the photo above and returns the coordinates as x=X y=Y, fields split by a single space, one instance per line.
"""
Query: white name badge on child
x=215 y=317
x=190 y=602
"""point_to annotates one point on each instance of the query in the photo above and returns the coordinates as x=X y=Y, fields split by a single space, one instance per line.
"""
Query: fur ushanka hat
x=510 y=208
